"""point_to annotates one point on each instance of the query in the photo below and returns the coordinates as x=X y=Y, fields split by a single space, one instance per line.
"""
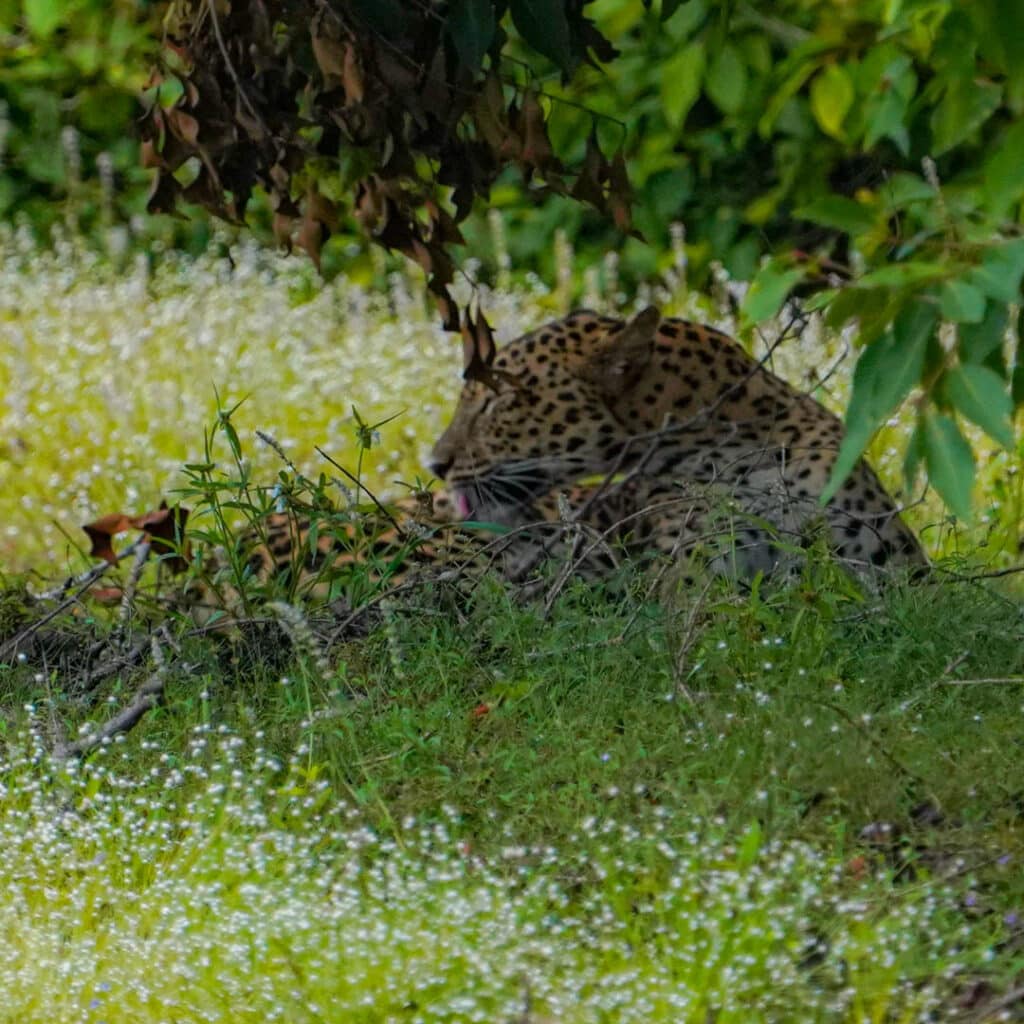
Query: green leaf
x=950 y=463
x=170 y=91
x=1000 y=27
x=1001 y=270
x=768 y=291
x=978 y=341
x=962 y=302
x=856 y=302
x=902 y=275
x=966 y=105
x=544 y=25
x=980 y=394
x=43 y=16
x=781 y=96
x=902 y=189
x=821 y=300
x=726 y=80
x=914 y=455
x=832 y=95
x=680 y=83
x=886 y=109
x=471 y=26
x=750 y=846
x=885 y=373
x=1009 y=17
x=885 y=116
x=694 y=12
x=839 y=212
x=1003 y=172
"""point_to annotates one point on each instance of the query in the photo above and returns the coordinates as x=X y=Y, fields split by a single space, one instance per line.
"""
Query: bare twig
x=654 y=439
x=366 y=490
x=146 y=697
x=953 y=664
x=212 y=8
x=990 y=681
x=82 y=583
x=342 y=628
x=131 y=586
x=884 y=751
x=687 y=641
x=993 y=574
x=98 y=674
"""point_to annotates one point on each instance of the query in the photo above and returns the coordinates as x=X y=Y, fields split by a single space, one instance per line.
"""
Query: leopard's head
x=547 y=417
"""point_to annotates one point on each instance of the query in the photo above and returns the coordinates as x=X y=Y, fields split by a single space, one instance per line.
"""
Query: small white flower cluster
x=108 y=379
x=225 y=887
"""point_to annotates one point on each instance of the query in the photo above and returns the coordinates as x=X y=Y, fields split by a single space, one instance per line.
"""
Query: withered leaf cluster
x=398 y=113
x=163 y=528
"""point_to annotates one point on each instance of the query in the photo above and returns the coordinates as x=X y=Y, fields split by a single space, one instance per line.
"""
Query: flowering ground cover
x=809 y=813
x=797 y=803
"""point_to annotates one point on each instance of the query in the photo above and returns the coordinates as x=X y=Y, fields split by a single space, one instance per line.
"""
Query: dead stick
x=85 y=581
x=146 y=698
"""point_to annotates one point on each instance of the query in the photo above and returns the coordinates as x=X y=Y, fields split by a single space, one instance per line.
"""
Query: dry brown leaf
x=261 y=107
x=620 y=193
x=163 y=195
x=101 y=535
x=536 y=152
x=283 y=225
x=164 y=528
x=352 y=76
x=183 y=125
x=329 y=55
x=478 y=350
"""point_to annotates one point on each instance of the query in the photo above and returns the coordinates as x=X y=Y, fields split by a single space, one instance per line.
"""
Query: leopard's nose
x=440 y=467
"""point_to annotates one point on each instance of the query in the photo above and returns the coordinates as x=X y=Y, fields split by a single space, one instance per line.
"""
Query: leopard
x=702 y=451
x=596 y=441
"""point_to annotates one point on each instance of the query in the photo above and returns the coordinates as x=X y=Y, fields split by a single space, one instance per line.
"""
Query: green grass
x=799 y=803
x=803 y=810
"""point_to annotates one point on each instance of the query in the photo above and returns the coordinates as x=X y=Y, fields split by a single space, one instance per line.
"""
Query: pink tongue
x=462 y=508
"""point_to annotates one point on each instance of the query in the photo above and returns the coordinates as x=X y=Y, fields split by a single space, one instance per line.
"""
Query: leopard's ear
x=619 y=358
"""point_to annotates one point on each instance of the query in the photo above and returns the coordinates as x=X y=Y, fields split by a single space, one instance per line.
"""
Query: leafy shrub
x=70 y=74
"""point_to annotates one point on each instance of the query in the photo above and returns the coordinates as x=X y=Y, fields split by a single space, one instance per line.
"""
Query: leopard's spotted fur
x=702 y=433
x=703 y=454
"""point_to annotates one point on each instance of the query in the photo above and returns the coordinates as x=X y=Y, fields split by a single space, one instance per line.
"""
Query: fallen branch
x=93 y=678
x=146 y=698
x=131 y=586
